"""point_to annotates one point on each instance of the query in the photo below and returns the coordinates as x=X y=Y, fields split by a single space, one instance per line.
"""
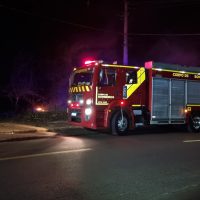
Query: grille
x=77 y=97
x=76 y=118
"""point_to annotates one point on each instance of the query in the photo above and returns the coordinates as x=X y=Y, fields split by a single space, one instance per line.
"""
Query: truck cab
x=98 y=92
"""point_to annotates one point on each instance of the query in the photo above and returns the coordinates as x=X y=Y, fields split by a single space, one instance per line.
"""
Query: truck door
x=106 y=87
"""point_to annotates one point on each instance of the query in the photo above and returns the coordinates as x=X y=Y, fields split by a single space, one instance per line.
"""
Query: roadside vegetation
x=37 y=118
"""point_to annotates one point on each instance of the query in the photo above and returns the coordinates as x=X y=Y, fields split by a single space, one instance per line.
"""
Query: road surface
x=156 y=165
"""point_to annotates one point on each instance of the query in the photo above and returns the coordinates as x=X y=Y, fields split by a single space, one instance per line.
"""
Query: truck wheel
x=119 y=124
x=194 y=124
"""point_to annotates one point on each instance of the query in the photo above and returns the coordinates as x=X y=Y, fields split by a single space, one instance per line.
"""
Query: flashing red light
x=149 y=65
x=75 y=105
x=89 y=62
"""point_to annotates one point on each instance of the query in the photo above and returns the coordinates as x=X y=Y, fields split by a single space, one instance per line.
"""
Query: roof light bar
x=89 y=62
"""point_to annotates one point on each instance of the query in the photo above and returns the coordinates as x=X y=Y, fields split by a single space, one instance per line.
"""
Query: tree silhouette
x=21 y=89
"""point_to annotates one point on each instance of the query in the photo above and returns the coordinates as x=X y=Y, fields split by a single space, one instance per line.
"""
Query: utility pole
x=125 y=46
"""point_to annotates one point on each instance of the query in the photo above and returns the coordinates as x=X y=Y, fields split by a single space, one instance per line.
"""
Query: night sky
x=43 y=40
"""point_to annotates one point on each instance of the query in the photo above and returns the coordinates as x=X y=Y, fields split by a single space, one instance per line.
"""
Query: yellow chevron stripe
x=83 y=88
x=87 y=88
x=140 y=79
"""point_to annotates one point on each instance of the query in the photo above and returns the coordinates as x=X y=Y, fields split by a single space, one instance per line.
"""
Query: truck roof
x=175 y=67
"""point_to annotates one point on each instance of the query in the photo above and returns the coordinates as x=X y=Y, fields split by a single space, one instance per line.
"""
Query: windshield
x=82 y=77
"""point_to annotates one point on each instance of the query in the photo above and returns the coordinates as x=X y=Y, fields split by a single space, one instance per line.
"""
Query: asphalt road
x=149 y=165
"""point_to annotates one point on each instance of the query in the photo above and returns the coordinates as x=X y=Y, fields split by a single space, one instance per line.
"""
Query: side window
x=131 y=77
x=107 y=77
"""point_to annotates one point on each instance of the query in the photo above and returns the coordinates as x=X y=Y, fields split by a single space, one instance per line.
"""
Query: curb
x=19 y=131
x=26 y=132
x=22 y=137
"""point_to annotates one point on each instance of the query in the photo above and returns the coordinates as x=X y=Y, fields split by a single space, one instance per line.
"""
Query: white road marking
x=44 y=154
x=189 y=141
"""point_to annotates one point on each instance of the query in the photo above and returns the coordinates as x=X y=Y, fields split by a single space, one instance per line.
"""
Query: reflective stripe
x=168 y=70
x=140 y=79
x=87 y=88
x=120 y=66
x=83 y=88
x=136 y=105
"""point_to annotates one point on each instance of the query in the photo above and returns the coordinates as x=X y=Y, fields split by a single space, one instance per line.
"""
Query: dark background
x=41 y=41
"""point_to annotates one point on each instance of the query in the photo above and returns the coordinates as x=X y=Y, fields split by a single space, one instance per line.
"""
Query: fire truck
x=120 y=98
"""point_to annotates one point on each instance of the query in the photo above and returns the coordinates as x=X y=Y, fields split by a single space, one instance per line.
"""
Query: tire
x=194 y=124
x=119 y=127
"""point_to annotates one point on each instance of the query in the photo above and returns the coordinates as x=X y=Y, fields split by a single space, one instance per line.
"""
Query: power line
x=54 y=19
x=58 y=20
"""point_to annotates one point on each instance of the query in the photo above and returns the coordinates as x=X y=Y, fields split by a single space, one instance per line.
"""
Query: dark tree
x=21 y=89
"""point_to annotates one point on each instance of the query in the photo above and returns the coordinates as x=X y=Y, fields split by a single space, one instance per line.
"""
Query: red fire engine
x=120 y=98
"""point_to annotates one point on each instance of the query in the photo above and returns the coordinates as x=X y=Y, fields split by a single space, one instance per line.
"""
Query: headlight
x=81 y=101
x=88 y=102
x=69 y=101
x=88 y=111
